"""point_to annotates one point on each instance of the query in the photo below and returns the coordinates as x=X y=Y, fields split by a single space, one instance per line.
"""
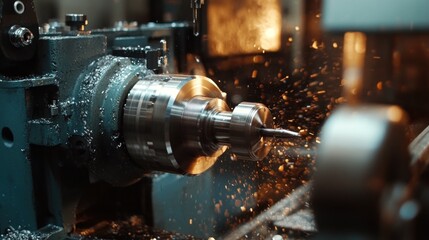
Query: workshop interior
x=214 y=119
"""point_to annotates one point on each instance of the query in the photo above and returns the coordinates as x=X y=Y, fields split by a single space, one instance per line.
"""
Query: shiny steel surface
x=161 y=122
x=246 y=122
x=181 y=124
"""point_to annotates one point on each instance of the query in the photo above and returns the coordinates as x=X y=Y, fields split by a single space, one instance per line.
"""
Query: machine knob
x=76 y=22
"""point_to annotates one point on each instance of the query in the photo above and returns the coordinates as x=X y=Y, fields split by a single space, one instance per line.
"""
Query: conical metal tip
x=279 y=133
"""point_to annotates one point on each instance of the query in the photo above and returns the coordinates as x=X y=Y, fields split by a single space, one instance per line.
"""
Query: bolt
x=54 y=108
x=20 y=36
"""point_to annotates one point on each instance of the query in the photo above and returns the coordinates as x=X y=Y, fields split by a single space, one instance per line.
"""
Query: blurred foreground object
x=367 y=185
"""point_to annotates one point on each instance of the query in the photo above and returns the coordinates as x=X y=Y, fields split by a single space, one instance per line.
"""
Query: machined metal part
x=246 y=121
x=153 y=129
x=181 y=124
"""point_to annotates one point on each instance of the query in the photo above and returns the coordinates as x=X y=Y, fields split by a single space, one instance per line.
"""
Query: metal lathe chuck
x=181 y=124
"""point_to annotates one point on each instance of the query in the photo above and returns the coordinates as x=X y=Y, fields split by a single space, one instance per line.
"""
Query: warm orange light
x=243 y=26
x=353 y=63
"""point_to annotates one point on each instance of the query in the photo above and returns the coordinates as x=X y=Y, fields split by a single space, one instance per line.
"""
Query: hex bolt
x=20 y=36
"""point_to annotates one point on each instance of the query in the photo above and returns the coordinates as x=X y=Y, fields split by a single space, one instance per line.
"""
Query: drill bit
x=196 y=12
x=278 y=133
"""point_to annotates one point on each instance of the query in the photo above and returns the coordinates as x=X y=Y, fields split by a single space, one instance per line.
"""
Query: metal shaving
x=302 y=220
x=18 y=234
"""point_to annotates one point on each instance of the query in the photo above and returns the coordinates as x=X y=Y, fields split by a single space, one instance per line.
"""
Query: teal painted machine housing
x=100 y=95
x=16 y=183
x=65 y=116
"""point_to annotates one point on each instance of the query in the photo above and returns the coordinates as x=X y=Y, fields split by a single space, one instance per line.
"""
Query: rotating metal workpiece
x=181 y=124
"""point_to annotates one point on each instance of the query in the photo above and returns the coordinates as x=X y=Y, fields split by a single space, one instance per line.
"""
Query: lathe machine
x=81 y=107
x=106 y=119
